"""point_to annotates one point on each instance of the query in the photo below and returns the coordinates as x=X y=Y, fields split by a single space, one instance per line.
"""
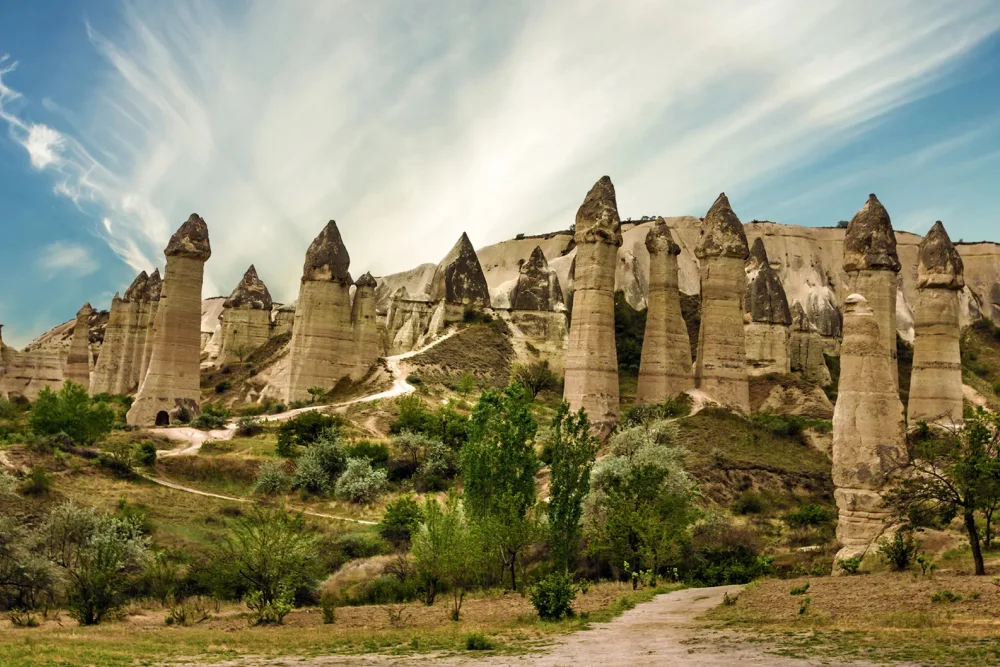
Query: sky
x=411 y=121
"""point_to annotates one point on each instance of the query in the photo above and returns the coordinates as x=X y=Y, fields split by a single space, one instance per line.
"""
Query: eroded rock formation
x=721 y=370
x=767 y=332
x=872 y=266
x=110 y=358
x=367 y=338
x=591 y=359
x=537 y=315
x=246 y=319
x=806 y=347
x=537 y=286
x=665 y=368
x=459 y=281
x=78 y=359
x=322 y=338
x=172 y=382
x=936 y=383
x=151 y=294
x=133 y=336
x=868 y=431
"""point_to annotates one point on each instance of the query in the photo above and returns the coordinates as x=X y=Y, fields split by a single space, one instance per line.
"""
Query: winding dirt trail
x=664 y=631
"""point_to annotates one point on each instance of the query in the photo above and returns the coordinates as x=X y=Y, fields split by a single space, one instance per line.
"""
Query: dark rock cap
x=765 y=297
x=597 y=219
x=367 y=280
x=327 y=258
x=939 y=265
x=251 y=293
x=870 y=242
x=660 y=240
x=459 y=278
x=154 y=287
x=190 y=240
x=722 y=233
x=537 y=286
x=85 y=311
x=137 y=289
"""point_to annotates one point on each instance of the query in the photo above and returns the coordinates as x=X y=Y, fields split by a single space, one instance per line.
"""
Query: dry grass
x=481 y=349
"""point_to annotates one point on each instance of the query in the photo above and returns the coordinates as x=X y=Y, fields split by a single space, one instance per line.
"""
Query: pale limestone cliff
x=78 y=360
x=245 y=323
x=591 y=360
x=665 y=369
x=868 y=431
x=936 y=382
x=721 y=369
x=172 y=382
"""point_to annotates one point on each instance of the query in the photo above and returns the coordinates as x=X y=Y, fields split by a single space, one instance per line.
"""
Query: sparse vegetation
x=71 y=411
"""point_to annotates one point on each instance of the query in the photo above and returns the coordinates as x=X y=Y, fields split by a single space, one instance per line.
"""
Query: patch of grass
x=484 y=350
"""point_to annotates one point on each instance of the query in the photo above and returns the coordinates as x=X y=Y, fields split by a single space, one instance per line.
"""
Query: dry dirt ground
x=665 y=631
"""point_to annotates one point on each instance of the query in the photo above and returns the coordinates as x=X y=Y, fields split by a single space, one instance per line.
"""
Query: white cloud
x=410 y=122
x=62 y=259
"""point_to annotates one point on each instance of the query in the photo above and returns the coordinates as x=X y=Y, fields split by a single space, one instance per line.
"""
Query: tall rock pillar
x=936 y=383
x=872 y=267
x=110 y=357
x=806 y=349
x=665 y=369
x=869 y=439
x=591 y=359
x=246 y=319
x=78 y=361
x=172 y=382
x=154 y=288
x=124 y=379
x=767 y=333
x=367 y=339
x=721 y=370
x=322 y=340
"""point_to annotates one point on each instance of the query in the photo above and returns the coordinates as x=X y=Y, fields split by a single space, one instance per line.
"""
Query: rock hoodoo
x=936 y=383
x=78 y=360
x=767 y=332
x=110 y=357
x=133 y=310
x=665 y=368
x=537 y=285
x=245 y=320
x=367 y=338
x=151 y=296
x=459 y=281
x=322 y=338
x=721 y=370
x=537 y=319
x=805 y=349
x=172 y=382
x=591 y=359
x=868 y=431
x=872 y=267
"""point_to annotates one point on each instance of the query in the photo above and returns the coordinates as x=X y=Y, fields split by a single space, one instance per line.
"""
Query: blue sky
x=410 y=121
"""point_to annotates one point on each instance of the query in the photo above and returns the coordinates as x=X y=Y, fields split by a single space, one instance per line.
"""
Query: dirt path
x=665 y=631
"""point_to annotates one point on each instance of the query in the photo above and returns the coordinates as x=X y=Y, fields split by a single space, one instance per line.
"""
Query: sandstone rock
x=868 y=432
x=665 y=368
x=936 y=383
x=591 y=359
x=78 y=361
x=539 y=335
x=321 y=348
x=110 y=358
x=245 y=320
x=459 y=278
x=284 y=318
x=806 y=349
x=133 y=335
x=872 y=265
x=172 y=382
x=151 y=295
x=767 y=333
x=368 y=345
x=721 y=370
x=537 y=286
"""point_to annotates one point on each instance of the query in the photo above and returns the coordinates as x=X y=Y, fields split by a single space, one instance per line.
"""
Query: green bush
x=248 y=427
x=376 y=453
x=810 y=515
x=271 y=479
x=120 y=459
x=303 y=430
x=535 y=377
x=783 y=426
x=724 y=554
x=850 y=565
x=385 y=589
x=402 y=517
x=645 y=413
x=362 y=545
x=945 y=596
x=800 y=590
x=71 y=411
x=145 y=454
x=553 y=596
x=37 y=482
x=630 y=328
x=901 y=550
x=749 y=502
x=360 y=483
x=477 y=641
x=321 y=464
x=208 y=422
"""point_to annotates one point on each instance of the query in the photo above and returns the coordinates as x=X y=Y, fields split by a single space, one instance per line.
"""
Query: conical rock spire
x=722 y=233
x=660 y=240
x=870 y=242
x=939 y=264
x=327 y=258
x=597 y=218
x=190 y=240
x=766 y=300
x=251 y=292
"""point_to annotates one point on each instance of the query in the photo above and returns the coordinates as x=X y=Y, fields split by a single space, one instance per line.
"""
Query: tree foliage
x=71 y=411
x=446 y=552
x=572 y=449
x=535 y=377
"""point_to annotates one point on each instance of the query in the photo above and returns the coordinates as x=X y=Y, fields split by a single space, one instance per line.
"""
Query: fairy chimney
x=591 y=360
x=151 y=295
x=245 y=320
x=172 y=382
x=110 y=357
x=78 y=361
x=665 y=368
x=872 y=267
x=459 y=281
x=868 y=432
x=936 y=383
x=805 y=349
x=367 y=339
x=767 y=333
x=322 y=341
x=721 y=370
x=537 y=287
x=124 y=381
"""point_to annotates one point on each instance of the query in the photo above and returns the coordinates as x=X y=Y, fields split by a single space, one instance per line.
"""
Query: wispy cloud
x=66 y=259
x=410 y=122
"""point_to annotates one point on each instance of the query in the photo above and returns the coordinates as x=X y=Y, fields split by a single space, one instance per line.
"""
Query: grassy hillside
x=981 y=360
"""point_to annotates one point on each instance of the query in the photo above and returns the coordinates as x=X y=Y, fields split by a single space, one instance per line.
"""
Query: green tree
x=71 y=411
x=954 y=474
x=466 y=383
x=573 y=449
x=535 y=377
x=402 y=517
x=445 y=552
x=273 y=554
x=499 y=466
